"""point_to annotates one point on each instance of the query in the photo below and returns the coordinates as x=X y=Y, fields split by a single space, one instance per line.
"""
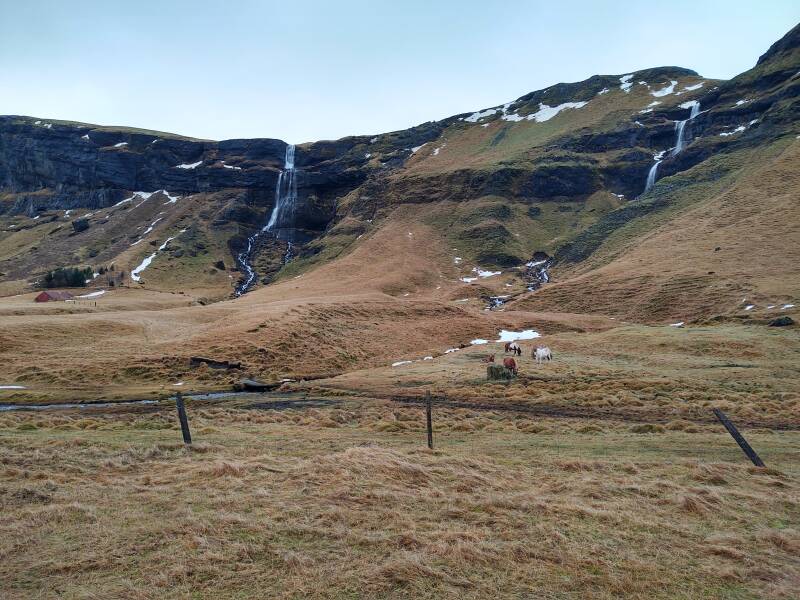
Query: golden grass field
x=345 y=501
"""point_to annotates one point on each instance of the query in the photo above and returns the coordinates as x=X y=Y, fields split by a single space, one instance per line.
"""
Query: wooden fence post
x=187 y=436
x=746 y=448
x=429 y=418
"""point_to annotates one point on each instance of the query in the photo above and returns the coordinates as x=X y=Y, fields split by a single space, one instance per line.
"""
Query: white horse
x=541 y=354
x=515 y=348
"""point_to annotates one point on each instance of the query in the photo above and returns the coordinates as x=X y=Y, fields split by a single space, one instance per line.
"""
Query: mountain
x=410 y=234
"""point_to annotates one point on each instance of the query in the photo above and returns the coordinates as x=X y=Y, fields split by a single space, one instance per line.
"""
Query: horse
x=510 y=364
x=489 y=358
x=541 y=354
x=514 y=348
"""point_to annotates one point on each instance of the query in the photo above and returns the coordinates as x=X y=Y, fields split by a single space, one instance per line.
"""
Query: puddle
x=10 y=407
x=63 y=406
x=215 y=395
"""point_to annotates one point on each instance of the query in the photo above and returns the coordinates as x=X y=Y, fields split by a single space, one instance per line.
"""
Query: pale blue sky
x=303 y=71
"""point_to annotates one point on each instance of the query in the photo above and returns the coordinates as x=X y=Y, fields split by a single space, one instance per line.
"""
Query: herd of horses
x=539 y=353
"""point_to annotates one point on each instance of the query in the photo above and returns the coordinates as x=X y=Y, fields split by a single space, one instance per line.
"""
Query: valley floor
x=600 y=475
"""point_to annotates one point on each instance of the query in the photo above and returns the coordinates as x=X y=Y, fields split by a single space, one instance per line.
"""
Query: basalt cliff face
x=556 y=171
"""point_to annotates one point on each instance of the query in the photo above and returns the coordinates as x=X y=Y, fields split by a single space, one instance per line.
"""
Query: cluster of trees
x=78 y=276
x=67 y=277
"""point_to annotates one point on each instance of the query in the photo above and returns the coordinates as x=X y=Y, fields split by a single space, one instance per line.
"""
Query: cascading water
x=680 y=142
x=280 y=220
x=680 y=126
x=651 y=175
x=285 y=194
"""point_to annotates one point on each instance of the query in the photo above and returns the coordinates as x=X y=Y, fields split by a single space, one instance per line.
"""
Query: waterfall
x=285 y=194
x=651 y=176
x=282 y=216
x=680 y=142
x=680 y=126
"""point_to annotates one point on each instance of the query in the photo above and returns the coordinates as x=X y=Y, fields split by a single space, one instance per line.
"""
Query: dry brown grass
x=325 y=503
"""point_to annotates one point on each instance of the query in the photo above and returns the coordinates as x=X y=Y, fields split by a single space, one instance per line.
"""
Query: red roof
x=49 y=295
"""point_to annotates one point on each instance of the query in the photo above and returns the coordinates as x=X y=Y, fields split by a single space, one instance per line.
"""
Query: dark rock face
x=561 y=180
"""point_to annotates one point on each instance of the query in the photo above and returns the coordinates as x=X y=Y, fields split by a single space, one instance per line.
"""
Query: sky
x=305 y=71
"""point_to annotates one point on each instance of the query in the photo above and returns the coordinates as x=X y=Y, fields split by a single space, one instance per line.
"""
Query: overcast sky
x=304 y=71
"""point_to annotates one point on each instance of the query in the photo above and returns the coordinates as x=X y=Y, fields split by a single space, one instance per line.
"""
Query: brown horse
x=489 y=358
x=510 y=364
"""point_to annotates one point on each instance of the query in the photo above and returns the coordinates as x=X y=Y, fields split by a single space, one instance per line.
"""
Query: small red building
x=53 y=296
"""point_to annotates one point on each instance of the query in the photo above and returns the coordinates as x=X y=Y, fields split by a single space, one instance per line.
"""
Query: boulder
x=783 y=321
x=80 y=225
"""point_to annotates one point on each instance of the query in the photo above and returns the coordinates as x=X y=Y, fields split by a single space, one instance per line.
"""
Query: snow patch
x=513 y=117
x=428 y=358
x=696 y=86
x=416 y=148
x=665 y=91
x=189 y=165
x=481 y=114
x=120 y=145
x=750 y=307
x=742 y=101
x=603 y=91
x=146 y=231
x=85 y=137
x=512 y=336
x=231 y=166
x=739 y=129
x=625 y=83
x=448 y=351
x=785 y=306
x=12 y=387
x=142 y=195
x=93 y=294
x=545 y=112
x=172 y=199
x=146 y=262
x=402 y=362
x=479 y=341
x=678 y=324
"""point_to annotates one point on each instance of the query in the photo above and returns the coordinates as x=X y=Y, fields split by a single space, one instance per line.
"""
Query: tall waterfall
x=285 y=194
x=282 y=216
x=680 y=142
x=680 y=126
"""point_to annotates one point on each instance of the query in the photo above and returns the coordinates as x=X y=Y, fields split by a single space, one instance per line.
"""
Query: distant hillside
x=561 y=171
